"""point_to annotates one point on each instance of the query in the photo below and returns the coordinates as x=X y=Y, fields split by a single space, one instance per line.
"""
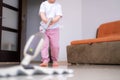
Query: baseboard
x=63 y=63
x=9 y=62
x=33 y=62
x=60 y=62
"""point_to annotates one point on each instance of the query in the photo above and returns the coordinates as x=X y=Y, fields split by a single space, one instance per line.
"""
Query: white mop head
x=21 y=71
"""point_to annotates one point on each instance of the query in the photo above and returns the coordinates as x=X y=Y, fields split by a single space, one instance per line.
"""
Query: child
x=50 y=9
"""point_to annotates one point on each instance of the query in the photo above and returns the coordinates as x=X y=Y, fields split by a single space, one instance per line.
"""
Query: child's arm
x=43 y=17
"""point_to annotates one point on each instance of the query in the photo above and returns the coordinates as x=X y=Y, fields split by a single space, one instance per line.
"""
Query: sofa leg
x=73 y=63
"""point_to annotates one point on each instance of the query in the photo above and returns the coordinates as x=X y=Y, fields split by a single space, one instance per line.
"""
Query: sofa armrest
x=97 y=40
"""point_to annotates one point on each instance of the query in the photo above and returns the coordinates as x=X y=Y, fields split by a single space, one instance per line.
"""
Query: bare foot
x=44 y=64
x=55 y=64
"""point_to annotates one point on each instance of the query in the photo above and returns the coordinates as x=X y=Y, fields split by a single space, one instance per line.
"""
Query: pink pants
x=52 y=41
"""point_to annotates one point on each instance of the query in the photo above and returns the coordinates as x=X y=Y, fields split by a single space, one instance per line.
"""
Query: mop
x=31 y=50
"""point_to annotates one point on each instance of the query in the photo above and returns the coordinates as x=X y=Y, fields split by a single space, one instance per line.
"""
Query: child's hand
x=51 y=24
x=55 y=20
x=45 y=21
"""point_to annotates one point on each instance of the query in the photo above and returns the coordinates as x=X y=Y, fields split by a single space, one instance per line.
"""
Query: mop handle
x=48 y=23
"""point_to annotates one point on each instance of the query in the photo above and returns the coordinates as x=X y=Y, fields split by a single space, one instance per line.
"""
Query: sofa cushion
x=97 y=40
x=108 y=29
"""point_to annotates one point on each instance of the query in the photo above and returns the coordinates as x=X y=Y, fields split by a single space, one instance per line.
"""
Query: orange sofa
x=104 y=49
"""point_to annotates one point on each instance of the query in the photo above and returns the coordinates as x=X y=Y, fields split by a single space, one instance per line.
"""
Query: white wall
x=81 y=18
x=96 y=12
x=71 y=23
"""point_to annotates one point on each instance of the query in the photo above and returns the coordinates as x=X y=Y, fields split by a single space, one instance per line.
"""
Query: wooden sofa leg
x=73 y=63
